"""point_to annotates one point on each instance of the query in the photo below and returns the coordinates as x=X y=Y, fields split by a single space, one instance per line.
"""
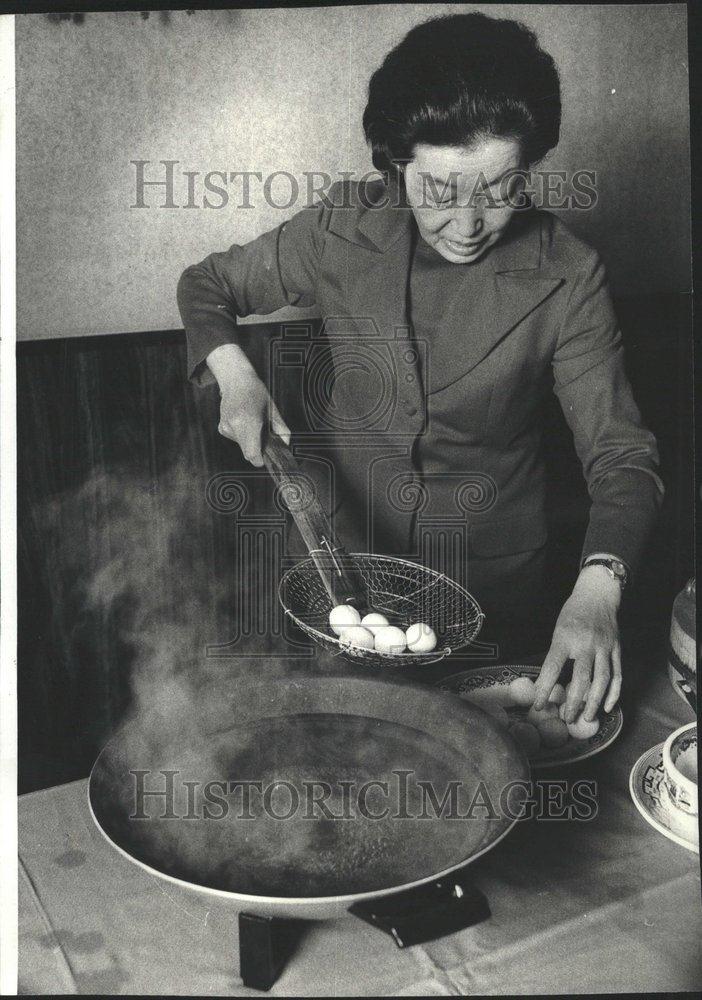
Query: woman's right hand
x=246 y=407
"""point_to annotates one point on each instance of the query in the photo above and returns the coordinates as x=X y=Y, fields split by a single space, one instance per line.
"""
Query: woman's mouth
x=465 y=249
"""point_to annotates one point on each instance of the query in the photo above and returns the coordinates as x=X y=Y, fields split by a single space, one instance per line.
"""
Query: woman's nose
x=469 y=224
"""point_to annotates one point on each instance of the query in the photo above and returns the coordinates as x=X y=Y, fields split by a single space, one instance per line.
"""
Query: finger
x=549 y=673
x=226 y=430
x=600 y=683
x=616 y=682
x=250 y=443
x=577 y=688
x=278 y=425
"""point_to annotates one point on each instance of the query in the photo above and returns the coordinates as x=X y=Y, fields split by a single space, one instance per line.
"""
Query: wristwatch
x=615 y=567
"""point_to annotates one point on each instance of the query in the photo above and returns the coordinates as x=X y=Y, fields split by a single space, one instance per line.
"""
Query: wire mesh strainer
x=403 y=591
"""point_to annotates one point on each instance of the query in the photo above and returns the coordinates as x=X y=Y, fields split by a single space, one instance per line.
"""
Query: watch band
x=616 y=568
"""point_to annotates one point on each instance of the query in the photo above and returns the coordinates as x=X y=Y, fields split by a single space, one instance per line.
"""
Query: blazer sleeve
x=276 y=269
x=618 y=453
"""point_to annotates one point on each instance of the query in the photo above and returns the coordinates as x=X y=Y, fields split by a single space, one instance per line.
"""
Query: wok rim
x=317 y=907
x=299 y=902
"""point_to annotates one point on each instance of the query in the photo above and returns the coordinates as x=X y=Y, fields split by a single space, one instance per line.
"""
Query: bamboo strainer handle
x=337 y=569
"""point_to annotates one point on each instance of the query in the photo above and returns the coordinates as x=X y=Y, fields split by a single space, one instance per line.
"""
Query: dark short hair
x=459 y=78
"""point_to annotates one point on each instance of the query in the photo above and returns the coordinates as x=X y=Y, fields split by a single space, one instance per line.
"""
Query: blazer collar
x=383 y=216
x=386 y=215
x=476 y=319
x=520 y=247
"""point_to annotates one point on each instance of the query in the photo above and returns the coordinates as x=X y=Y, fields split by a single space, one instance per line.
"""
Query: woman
x=484 y=307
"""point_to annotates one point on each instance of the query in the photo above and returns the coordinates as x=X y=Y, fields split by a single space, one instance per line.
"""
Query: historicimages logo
x=166 y=184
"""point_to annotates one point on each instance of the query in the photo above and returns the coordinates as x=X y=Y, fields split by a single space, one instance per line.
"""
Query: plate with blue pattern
x=498 y=678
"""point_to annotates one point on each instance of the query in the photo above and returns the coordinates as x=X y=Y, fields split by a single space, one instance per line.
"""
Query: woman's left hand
x=586 y=632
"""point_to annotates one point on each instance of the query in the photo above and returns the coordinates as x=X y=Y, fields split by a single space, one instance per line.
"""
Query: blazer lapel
x=510 y=287
x=373 y=280
x=377 y=274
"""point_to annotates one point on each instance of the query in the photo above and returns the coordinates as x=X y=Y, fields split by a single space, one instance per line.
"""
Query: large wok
x=304 y=729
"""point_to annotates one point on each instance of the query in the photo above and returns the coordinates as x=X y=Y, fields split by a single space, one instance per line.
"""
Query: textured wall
x=284 y=90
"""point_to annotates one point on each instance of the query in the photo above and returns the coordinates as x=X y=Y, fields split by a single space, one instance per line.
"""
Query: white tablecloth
x=597 y=906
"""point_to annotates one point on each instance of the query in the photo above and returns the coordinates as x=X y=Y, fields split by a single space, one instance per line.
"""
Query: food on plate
x=390 y=640
x=522 y=690
x=558 y=694
x=583 y=730
x=553 y=732
x=343 y=616
x=511 y=704
x=537 y=716
x=374 y=621
x=497 y=695
x=357 y=636
x=582 y=700
x=562 y=710
x=527 y=737
x=421 y=638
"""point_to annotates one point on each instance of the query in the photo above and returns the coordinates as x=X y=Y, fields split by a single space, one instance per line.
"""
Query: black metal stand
x=427 y=912
x=265 y=944
x=411 y=917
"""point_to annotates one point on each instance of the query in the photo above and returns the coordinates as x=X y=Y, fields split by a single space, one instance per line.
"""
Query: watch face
x=615 y=567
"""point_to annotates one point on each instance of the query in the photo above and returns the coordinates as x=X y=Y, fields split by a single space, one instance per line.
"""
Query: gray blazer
x=540 y=319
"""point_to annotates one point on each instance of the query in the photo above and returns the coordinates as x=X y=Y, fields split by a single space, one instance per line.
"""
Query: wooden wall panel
x=116 y=535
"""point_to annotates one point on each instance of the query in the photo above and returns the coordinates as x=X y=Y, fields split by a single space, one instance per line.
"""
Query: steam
x=146 y=586
x=149 y=583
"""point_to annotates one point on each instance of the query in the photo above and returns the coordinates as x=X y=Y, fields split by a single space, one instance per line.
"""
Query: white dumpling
x=390 y=640
x=523 y=691
x=553 y=732
x=498 y=695
x=421 y=638
x=583 y=730
x=374 y=621
x=537 y=716
x=558 y=694
x=358 y=636
x=343 y=616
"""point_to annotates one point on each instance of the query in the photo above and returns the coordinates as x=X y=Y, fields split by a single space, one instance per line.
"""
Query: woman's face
x=463 y=197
